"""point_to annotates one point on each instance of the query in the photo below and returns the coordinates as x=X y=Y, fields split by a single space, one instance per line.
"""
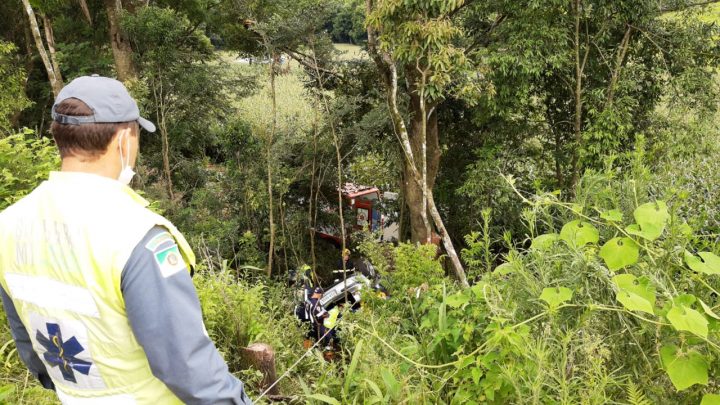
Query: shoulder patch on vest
x=158 y=240
x=170 y=260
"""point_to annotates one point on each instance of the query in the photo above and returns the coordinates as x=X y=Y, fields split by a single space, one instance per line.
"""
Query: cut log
x=261 y=356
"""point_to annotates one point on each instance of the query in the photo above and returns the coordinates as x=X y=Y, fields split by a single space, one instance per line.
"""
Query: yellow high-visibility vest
x=332 y=318
x=62 y=251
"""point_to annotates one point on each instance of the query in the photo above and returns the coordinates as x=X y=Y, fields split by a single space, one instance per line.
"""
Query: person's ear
x=120 y=137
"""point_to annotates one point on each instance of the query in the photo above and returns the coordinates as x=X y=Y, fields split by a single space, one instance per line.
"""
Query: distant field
x=711 y=13
x=707 y=13
x=295 y=109
x=350 y=52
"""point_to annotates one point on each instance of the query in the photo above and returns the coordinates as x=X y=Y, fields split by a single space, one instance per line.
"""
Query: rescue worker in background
x=346 y=261
x=96 y=287
x=317 y=314
x=330 y=322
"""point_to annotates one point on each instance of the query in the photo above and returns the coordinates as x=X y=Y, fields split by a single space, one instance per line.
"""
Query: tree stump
x=261 y=356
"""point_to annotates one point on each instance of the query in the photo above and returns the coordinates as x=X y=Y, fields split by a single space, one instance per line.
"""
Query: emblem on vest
x=61 y=353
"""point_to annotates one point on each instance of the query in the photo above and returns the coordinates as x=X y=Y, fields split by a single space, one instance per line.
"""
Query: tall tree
x=122 y=51
x=415 y=39
x=51 y=66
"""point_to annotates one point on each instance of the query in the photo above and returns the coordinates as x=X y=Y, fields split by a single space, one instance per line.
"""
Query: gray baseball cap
x=108 y=98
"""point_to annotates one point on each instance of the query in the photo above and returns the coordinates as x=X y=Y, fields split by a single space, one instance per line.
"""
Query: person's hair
x=89 y=141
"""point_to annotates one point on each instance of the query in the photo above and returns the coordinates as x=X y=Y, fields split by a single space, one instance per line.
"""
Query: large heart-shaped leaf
x=684 y=369
x=620 y=252
x=707 y=263
x=635 y=294
x=579 y=233
x=651 y=219
x=505 y=269
x=457 y=300
x=683 y=317
x=544 y=242
x=612 y=216
x=554 y=296
x=710 y=399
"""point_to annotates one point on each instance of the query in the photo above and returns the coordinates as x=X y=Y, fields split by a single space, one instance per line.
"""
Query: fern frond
x=635 y=395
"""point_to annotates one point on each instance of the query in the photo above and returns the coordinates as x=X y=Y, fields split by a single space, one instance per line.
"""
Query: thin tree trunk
x=53 y=76
x=578 y=103
x=268 y=151
x=338 y=156
x=85 y=11
x=281 y=210
x=622 y=51
x=50 y=39
x=423 y=143
x=161 y=113
x=122 y=53
x=311 y=213
x=447 y=242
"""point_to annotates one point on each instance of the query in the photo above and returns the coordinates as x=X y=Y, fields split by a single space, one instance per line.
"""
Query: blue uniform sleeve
x=24 y=344
x=165 y=316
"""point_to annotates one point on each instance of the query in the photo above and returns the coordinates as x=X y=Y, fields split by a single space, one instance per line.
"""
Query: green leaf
x=684 y=369
x=579 y=233
x=685 y=318
x=554 y=296
x=620 y=252
x=353 y=366
x=708 y=310
x=391 y=382
x=635 y=294
x=504 y=269
x=479 y=289
x=373 y=386
x=612 y=216
x=710 y=399
x=324 y=398
x=685 y=229
x=456 y=300
x=544 y=242
x=651 y=219
x=707 y=263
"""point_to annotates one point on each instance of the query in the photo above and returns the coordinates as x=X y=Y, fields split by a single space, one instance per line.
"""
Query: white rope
x=287 y=372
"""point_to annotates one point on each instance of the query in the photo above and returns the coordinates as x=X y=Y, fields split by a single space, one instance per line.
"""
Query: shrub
x=25 y=161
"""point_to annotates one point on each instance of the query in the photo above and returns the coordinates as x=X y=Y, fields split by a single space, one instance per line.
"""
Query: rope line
x=287 y=372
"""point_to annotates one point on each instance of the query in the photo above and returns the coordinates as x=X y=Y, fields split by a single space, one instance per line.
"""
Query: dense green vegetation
x=566 y=152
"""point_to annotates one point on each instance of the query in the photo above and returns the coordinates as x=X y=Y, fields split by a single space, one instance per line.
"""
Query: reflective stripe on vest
x=331 y=320
x=62 y=251
x=122 y=399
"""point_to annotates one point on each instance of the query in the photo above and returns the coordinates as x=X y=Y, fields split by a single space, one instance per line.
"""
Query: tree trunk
x=50 y=39
x=85 y=11
x=619 y=59
x=422 y=113
x=261 y=357
x=312 y=208
x=412 y=191
x=578 y=96
x=402 y=133
x=122 y=53
x=268 y=150
x=53 y=76
x=160 y=115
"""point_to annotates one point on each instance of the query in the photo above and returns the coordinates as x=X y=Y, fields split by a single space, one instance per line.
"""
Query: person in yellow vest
x=96 y=287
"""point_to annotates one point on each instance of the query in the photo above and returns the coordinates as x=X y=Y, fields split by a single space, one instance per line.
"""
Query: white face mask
x=127 y=173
